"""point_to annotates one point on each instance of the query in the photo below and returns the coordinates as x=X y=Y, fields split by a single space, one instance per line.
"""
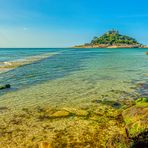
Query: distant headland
x=112 y=39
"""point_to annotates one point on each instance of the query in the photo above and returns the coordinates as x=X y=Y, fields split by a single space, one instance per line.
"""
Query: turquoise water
x=73 y=73
x=11 y=54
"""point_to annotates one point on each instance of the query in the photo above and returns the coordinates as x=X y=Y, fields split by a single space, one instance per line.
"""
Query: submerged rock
x=116 y=105
x=5 y=86
x=96 y=101
x=3 y=108
x=77 y=112
x=109 y=102
x=44 y=145
x=60 y=114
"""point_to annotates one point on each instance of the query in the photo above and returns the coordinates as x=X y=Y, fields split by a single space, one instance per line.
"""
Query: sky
x=64 y=23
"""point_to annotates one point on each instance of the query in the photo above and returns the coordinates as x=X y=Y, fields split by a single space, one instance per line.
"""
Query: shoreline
x=112 y=47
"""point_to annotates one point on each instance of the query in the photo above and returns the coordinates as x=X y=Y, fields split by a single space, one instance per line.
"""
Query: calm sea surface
x=72 y=76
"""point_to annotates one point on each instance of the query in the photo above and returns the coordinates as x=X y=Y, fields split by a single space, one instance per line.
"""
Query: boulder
x=136 y=119
x=136 y=122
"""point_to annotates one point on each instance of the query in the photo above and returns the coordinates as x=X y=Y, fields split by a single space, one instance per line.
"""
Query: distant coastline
x=112 y=39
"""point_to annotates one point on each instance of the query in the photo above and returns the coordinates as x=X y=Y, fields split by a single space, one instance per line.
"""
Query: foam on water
x=12 y=60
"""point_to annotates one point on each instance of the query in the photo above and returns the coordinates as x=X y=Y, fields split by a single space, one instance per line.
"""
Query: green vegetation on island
x=112 y=39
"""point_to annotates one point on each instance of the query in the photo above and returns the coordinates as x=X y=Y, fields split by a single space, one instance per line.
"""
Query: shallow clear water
x=72 y=76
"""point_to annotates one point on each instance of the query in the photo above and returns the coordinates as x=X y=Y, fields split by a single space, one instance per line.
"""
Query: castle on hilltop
x=113 y=31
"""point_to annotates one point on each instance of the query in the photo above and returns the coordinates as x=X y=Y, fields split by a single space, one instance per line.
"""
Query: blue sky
x=64 y=23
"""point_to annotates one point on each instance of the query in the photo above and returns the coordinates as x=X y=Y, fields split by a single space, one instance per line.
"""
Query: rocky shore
x=110 y=46
x=104 y=124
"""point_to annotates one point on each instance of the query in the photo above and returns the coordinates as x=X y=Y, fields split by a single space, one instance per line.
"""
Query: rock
x=141 y=141
x=116 y=105
x=60 y=114
x=142 y=100
x=107 y=101
x=145 y=99
x=44 y=145
x=136 y=119
x=3 y=108
x=146 y=75
x=81 y=113
x=77 y=112
x=147 y=53
x=39 y=109
x=96 y=101
x=118 y=141
x=5 y=86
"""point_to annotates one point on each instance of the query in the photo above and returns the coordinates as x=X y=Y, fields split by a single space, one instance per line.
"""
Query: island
x=112 y=39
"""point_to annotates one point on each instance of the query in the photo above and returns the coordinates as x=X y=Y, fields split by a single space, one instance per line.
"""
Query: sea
x=68 y=97
x=68 y=76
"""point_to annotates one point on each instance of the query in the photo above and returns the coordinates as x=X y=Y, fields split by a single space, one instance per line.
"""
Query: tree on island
x=113 y=37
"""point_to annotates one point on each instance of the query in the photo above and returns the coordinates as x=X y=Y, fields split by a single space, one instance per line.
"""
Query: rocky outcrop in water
x=5 y=86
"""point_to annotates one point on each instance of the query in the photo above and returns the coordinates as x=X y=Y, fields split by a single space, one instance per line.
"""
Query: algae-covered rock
x=145 y=99
x=77 y=112
x=5 y=86
x=118 y=141
x=142 y=100
x=109 y=102
x=116 y=105
x=3 y=108
x=60 y=114
x=44 y=145
x=141 y=141
x=136 y=119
